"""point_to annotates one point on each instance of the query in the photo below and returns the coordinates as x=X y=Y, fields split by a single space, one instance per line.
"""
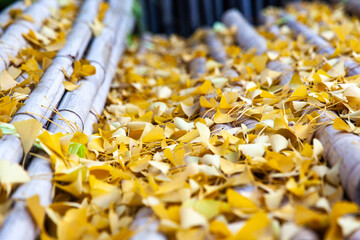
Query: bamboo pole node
x=25 y=113
x=76 y=114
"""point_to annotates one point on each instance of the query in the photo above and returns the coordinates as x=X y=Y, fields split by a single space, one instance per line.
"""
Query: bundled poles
x=20 y=224
x=49 y=91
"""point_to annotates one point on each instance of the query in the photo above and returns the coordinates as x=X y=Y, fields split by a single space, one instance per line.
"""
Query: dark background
x=184 y=16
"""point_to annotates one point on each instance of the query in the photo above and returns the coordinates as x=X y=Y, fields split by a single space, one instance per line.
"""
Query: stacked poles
x=334 y=140
x=12 y=41
x=105 y=50
x=49 y=91
x=5 y=14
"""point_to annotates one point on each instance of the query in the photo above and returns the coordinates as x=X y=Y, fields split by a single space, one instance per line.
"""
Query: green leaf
x=78 y=149
x=8 y=129
x=219 y=27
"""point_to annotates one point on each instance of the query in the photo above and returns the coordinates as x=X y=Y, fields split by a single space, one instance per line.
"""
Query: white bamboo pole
x=145 y=225
x=19 y=224
x=216 y=48
x=12 y=40
x=50 y=89
x=5 y=14
x=247 y=38
x=322 y=46
x=117 y=51
x=197 y=67
x=270 y=24
x=246 y=35
x=217 y=51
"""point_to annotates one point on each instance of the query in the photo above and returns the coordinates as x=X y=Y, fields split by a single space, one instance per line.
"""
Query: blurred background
x=184 y=16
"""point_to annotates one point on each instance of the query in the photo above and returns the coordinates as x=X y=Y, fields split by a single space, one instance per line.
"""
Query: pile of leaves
x=208 y=157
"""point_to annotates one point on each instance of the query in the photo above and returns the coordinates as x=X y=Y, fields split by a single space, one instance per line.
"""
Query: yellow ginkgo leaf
x=259 y=62
x=155 y=134
x=28 y=131
x=306 y=217
x=36 y=210
x=255 y=228
x=295 y=81
x=69 y=86
x=6 y=81
x=339 y=124
x=342 y=31
x=239 y=201
x=191 y=218
x=12 y=173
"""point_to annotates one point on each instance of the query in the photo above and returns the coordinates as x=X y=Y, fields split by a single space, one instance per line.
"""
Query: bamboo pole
x=12 y=40
x=146 y=41
x=146 y=226
x=247 y=38
x=197 y=67
x=48 y=92
x=344 y=148
x=334 y=140
x=19 y=224
x=217 y=51
x=322 y=46
x=269 y=22
x=246 y=35
x=5 y=14
x=20 y=218
x=101 y=96
x=216 y=48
